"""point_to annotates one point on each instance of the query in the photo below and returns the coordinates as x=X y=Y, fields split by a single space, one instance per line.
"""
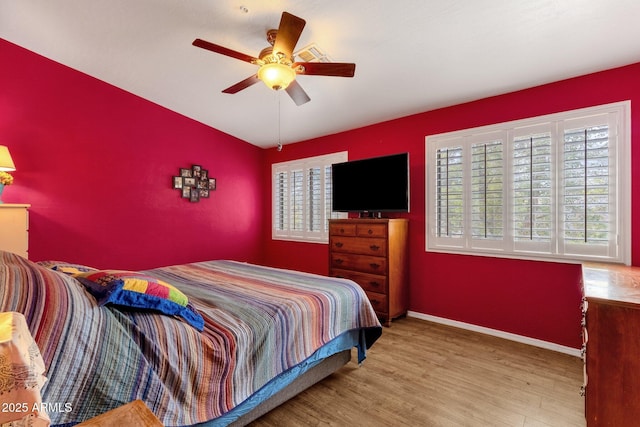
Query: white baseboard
x=497 y=333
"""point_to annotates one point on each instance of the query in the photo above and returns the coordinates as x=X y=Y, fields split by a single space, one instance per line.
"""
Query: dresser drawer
x=359 y=245
x=362 y=263
x=379 y=302
x=371 y=230
x=342 y=229
x=368 y=282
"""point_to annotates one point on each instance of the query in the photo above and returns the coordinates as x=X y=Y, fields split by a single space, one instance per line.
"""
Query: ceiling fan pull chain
x=279 y=122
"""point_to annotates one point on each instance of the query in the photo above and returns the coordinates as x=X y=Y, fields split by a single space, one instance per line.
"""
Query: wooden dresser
x=374 y=254
x=14 y=228
x=612 y=345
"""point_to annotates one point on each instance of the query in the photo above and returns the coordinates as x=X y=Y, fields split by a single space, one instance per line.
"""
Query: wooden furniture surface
x=132 y=414
x=612 y=345
x=374 y=254
x=14 y=228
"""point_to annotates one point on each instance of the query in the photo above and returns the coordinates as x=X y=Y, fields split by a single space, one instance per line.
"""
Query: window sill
x=531 y=257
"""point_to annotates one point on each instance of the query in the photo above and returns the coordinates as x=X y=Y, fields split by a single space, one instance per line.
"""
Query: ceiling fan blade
x=224 y=51
x=242 y=85
x=296 y=93
x=336 y=69
x=288 y=34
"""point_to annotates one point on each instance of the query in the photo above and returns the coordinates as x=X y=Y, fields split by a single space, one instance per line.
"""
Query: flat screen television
x=374 y=185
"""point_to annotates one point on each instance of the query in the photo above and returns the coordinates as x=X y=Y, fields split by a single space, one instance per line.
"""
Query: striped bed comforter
x=259 y=323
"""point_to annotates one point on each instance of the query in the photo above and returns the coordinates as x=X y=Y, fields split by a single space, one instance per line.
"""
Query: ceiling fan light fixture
x=276 y=66
x=276 y=75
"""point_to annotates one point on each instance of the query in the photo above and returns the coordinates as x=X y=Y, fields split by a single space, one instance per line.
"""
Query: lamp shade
x=6 y=163
x=276 y=76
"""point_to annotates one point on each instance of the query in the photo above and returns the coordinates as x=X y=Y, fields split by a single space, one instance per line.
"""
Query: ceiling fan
x=277 y=68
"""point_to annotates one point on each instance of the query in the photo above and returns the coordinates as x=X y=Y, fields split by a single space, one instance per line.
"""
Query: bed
x=244 y=339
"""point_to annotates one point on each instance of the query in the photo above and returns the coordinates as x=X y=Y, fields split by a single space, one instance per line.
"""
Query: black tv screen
x=379 y=184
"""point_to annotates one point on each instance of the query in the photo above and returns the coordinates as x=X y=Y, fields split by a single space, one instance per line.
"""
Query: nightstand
x=134 y=413
x=14 y=228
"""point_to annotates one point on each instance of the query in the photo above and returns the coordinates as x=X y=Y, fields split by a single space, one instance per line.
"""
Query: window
x=302 y=198
x=552 y=187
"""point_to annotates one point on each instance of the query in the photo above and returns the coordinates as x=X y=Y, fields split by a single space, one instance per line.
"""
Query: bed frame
x=314 y=375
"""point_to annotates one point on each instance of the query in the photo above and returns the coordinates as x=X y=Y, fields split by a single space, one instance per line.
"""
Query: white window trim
x=622 y=176
x=304 y=164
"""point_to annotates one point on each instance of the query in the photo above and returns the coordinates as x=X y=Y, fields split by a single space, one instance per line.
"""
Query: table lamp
x=6 y=162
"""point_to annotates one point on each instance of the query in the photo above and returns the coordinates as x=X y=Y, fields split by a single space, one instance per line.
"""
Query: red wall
x=535 y=299
x=95 y=163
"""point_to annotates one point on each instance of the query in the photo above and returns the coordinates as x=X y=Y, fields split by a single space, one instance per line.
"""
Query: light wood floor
x=425 y=374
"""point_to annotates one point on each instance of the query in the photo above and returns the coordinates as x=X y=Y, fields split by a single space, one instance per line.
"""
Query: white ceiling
x=411 y=55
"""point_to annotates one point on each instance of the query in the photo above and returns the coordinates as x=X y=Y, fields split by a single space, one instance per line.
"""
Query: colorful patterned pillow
x=138 y=290
x=65 y=267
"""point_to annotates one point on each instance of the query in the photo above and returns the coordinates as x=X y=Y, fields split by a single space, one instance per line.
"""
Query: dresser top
x=13 y=205
x=610 y=282
x=365 y=220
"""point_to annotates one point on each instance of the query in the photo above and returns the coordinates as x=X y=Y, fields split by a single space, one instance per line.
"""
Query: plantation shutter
x=486 y=191
x=297 y=200
x=551 y=187
x=448 y=207
x=588 y=217
x=302 y=198
x=315 y=199
x=533 y=192
x=328 y=198
x=281 y=202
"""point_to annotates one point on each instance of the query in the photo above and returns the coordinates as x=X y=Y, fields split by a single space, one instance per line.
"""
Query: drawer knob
x=374 y=247
x=370 y=231
x=375 y=303
x=374 y=284
x=339 y=260
x=342 y=231
x=374 y=265
x=339 y=244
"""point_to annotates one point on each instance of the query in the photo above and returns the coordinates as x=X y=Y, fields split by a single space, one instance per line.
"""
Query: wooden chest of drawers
x=374 y=254
x=612 y=375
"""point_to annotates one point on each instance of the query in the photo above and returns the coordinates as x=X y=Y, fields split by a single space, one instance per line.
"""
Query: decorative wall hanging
x=194 y=183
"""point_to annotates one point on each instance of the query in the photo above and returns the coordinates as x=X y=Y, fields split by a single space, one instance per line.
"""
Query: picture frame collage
x=194 y=183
